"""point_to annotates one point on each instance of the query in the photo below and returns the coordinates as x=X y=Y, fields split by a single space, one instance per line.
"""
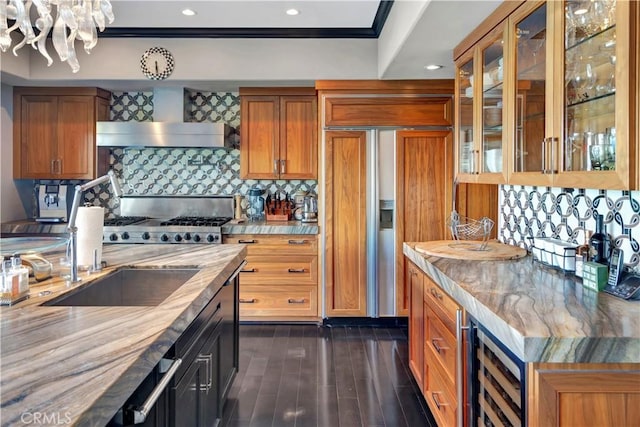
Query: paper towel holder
x=73 y=230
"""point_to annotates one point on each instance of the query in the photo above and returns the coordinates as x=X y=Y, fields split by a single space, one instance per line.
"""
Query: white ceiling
x=245 y=13
x=416 y=33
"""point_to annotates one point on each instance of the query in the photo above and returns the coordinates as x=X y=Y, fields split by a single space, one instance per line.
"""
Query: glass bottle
x=599 y=243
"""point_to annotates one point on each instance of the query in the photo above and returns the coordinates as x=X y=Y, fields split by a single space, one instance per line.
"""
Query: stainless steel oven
x=177 y=220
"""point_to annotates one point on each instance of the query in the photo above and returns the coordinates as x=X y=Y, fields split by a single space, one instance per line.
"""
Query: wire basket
x=476 y=231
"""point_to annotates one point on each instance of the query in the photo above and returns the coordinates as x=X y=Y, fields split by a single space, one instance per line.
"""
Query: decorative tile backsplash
x=567 y=214
x=182 y=171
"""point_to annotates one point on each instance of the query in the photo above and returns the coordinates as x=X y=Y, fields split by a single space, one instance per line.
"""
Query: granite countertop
x=79 y=364
x=30 y=227
x=539 y=313
x=270 y=227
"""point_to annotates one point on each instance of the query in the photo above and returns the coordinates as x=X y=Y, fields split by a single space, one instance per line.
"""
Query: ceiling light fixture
x=293 y=12
x=74 y=19
x=432 y=67
x=189 y=12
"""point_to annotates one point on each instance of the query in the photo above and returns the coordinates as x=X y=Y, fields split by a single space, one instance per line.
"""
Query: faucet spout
x=73 y=229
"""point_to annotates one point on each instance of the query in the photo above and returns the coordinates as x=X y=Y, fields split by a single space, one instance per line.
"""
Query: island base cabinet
x=584 y=395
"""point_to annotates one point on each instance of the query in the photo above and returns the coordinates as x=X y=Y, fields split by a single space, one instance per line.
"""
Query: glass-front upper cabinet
x=464 y=117
x=531 y=152
x=480 y=111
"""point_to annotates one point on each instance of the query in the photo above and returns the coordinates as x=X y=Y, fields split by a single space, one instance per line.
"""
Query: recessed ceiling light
x=292 y=12
x=188 y=12
x=432 y=67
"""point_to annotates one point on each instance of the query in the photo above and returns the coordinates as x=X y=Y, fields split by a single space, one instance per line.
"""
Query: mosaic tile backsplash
x=567 y=214
x=182 y=171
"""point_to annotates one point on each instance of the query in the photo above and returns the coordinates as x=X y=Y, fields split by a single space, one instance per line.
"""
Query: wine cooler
x=496 y=382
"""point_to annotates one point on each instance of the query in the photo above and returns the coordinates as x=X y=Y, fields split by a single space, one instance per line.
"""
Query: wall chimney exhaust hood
x=169 y=128
x=165 y=134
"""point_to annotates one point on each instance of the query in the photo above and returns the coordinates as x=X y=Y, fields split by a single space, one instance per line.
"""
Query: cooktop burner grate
x=123 y=220
x=197 y=221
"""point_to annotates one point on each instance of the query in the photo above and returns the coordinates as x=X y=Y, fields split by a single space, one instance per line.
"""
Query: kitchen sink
x=127 y=287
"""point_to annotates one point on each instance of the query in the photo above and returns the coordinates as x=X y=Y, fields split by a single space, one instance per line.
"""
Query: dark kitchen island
x=78 y=365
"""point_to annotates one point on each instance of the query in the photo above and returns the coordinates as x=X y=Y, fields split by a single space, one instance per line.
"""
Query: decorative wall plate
x=157 y=63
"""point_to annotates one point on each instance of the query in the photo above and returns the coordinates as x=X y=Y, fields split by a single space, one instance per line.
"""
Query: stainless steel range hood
x=169 y=128
x=164 y=134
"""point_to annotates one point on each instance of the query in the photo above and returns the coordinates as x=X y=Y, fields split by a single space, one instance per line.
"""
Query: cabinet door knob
x=247 y=242
x=247 y=301
x=436 y=346
x=297 y=270
x=436 y=294
x=282 y=166
x=296 y=301
x=275 y=167
x=250 y=270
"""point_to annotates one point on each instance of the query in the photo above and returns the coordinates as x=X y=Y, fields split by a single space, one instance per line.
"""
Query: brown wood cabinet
x=279 y=137
x=345 y=198
x=424 y=169
x=586 y=395
x=280 y=279
x=416 y=322
x=433 y=344
x=54 y=131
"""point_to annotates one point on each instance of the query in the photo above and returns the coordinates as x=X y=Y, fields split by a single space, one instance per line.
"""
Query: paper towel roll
x=90 y=223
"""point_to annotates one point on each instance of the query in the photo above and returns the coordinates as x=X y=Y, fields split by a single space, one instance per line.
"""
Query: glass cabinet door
x=530 y=72
x=492 y=105
x=590 y=86
x=465 y=118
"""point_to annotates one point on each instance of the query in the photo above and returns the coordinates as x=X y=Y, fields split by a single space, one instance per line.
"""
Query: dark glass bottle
x=599 y=243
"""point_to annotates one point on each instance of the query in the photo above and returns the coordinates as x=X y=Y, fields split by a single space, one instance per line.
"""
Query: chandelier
x=74 y=20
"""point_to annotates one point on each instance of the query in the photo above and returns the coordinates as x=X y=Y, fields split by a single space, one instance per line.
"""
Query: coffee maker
x=255 y=203
x=52 y=203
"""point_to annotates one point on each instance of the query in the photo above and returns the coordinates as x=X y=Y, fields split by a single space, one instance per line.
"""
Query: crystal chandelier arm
x=5 y=38
x=44 y=23
x=23 y=22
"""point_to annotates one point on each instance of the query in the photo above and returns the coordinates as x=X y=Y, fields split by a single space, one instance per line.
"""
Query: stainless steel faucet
x=73 y=230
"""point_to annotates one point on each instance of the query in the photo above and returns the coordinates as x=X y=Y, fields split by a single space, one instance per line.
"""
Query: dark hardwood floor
x=308 y=375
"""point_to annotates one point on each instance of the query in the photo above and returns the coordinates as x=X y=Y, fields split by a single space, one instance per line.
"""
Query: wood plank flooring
x=308 y=375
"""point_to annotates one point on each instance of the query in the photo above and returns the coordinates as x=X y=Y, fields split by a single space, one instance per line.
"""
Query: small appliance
x=52 y=203
x=310 y=209
x=255 y=203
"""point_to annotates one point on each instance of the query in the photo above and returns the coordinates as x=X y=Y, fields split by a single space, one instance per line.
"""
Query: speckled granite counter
x=79 y=364
x=271 y=227
x=539 y=313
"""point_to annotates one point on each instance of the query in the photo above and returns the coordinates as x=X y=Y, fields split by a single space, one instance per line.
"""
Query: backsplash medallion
x=567 y=213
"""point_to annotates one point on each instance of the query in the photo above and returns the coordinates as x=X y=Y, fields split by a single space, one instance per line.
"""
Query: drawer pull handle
x=248 y=242
x=434 y=342
x=297 y=270
x=436 y=294
x=252 y=270
x=298 y=242
x=296 y=301
x=436 y=400
x=247 y=301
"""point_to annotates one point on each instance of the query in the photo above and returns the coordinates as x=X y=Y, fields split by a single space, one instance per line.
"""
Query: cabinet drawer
x=441 y=342
x=444 y=306
x=287 y=269
x=268 y=244
x=278 y=301
x=437 y=392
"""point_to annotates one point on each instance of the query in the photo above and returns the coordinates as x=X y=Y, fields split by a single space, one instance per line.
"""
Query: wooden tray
x=467 y=249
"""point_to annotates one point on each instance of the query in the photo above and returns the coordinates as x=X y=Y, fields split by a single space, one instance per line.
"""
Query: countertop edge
x=530 y=349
